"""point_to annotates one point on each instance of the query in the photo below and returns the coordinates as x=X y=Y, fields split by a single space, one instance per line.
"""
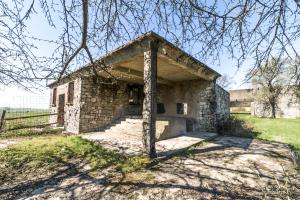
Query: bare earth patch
x=225 y=168
x=7 y=142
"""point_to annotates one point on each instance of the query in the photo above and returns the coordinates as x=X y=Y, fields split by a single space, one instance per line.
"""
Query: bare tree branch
x=244 y=29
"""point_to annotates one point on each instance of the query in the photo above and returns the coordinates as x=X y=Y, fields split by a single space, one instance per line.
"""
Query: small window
x=160 y=108
x=71 y=92
x=182 y=108
x=54 y=94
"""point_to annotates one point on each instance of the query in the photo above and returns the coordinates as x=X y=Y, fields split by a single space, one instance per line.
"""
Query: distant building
x=244 y=100
x=240 y=100
x=288 y=106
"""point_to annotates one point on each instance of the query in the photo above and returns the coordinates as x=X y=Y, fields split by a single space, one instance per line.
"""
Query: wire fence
x=23 y=112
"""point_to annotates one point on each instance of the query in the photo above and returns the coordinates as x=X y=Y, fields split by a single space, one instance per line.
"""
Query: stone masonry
x=199 y=95
x=223 y=107
x=174 y=87
x=72 y=111
x=97 y=105
x=101 y=103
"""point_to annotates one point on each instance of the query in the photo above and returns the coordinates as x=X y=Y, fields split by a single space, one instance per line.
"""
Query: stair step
x=130 y=129
x=130 y=125
x=133 y=120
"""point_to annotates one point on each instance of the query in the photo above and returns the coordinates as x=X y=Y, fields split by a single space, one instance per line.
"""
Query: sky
x=16 y=97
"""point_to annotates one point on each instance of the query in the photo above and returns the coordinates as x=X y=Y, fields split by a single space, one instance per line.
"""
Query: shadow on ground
x=225 y=168
x=237 y=127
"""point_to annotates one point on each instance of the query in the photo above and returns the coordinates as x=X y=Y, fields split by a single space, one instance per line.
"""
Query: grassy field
x=9 y=124
x=48 y=155
x=278 y=130
x=18 y=123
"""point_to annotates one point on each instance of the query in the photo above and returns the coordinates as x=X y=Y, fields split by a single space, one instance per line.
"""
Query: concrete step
x=183 y=143
x=124 y=130
x=133 y=125
x=125 y=126
x=128 y=125
x=133 y=121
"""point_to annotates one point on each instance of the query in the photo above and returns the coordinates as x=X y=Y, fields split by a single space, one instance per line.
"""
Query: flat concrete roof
x=127 y=63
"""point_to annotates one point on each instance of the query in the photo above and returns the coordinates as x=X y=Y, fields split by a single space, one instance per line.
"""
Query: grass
x=27 y=121
x=278 y=130
x=50 y=154
x=28 y=133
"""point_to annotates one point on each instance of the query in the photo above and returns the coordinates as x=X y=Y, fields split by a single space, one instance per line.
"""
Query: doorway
x=135 y=104
x=61 y=110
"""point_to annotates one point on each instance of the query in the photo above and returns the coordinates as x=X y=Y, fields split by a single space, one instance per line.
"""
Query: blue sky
x=38 y=26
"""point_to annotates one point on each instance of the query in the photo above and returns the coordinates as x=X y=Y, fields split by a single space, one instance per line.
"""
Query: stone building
x=240 y=100
x=288 y=106
x=172 y=92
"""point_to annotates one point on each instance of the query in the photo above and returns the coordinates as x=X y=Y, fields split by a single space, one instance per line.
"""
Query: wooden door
x=61 y=110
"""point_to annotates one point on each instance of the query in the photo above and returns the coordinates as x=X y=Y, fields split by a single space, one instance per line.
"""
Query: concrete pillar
x=149 y=104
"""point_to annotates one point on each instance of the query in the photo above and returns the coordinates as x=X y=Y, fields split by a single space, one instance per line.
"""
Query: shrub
x=235 y=127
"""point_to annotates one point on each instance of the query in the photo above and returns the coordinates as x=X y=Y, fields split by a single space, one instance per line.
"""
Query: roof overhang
x=127 y=63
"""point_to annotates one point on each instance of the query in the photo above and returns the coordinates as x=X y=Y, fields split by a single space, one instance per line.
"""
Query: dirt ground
x=225 y=168
x=7 y=142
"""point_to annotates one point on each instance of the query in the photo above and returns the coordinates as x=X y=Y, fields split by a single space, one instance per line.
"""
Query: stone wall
x=199 y=95
x=101 y=103
x=97 y=105
x=240 y=100
x=223 y=101
x=169 y=127
x=288 y=107
x=241 y=95
x=72 y=111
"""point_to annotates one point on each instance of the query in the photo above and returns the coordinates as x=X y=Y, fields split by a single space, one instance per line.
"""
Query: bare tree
x=225 y=81
x=89 y=28
x=270 y=81
x=294 y=74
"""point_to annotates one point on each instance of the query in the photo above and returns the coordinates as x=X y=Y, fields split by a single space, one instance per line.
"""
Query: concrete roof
x=127 y=63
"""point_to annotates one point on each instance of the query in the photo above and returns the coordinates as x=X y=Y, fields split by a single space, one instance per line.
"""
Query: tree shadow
x=237 y=127
x=203 y=172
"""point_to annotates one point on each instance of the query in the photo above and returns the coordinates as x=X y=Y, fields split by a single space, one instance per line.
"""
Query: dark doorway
x=135 y=104
x=61 y=110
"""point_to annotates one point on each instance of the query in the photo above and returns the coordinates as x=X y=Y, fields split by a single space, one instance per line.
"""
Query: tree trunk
x=273 y=109
x=149 y=105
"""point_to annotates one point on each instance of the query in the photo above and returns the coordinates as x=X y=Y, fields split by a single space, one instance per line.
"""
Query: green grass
x=25 y=113
x=11 y=109
x=28 y=133
x=278 y=130
x=9 y=124
x=49 y=154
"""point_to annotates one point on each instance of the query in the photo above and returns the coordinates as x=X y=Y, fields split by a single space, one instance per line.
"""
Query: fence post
x=2 y=119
